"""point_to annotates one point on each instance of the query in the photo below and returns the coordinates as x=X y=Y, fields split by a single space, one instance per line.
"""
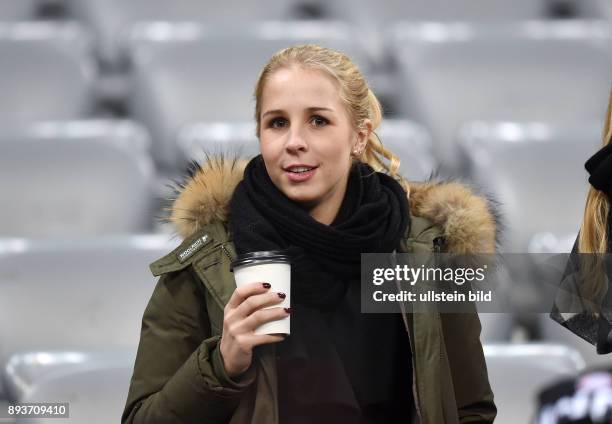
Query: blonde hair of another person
x=358 y=98
x=593 y=239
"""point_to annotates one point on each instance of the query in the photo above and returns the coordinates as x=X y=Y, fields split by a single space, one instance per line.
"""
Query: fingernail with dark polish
x=288 y=310
x=281 y=295
x=266 y=285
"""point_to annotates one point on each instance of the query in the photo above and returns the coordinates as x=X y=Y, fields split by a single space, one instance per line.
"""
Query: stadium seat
x=386 y=11
x=497 y=327
x=556 y=72
x=374 y=18
x=536 y=172
x=49 y=75
x=94 y=385
x=518 y=371
x=552 y=242
x=17 y=10
x=184 y=74
x=212 y=138
x=111 y=19
x=75 y=178
x=412 y=144
x=87 y=293
x=593 y=9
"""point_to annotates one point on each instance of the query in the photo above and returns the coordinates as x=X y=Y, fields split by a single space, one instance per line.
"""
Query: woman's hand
x=241 y=316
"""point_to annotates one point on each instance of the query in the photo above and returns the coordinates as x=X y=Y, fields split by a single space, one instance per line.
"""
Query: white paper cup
x=270 y=267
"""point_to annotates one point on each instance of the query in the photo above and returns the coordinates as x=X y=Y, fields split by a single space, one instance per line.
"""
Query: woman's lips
x=298 y=177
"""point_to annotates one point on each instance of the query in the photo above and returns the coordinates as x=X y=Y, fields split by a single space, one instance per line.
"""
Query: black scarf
x=599 y=167
x=333 y=354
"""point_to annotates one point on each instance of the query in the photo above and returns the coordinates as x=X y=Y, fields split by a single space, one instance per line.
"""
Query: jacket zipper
x=415 y=393
x=414 y=384
x=224 y=250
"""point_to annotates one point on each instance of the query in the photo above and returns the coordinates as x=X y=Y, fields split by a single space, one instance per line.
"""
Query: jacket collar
x=467 y=221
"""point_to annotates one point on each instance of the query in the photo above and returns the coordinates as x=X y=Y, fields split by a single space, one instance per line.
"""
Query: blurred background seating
x=105 y=103
x=456 y=72
x=75 y=178
x=75 y=294
x=66 y=377
x=530 y=168
x=17 y=10
x=49 y=76
x=517 y=373
x=112 y=20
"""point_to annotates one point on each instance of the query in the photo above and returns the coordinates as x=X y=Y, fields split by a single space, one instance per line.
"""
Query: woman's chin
x=305 y=198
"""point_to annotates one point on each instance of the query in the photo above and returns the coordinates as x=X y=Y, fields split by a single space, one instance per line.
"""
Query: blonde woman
x=323 y=189
x=589 y=265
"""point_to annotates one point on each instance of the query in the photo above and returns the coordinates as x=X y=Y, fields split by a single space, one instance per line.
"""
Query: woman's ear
x=363 y=134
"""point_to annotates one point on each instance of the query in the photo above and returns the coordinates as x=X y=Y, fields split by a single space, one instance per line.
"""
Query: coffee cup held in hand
x=272 y=266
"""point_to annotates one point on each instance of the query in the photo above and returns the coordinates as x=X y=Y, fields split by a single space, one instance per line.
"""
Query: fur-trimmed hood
x=467 y=220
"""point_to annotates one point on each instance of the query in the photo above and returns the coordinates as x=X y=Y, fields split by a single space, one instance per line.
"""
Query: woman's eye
x=277 y=123
x=319 y=121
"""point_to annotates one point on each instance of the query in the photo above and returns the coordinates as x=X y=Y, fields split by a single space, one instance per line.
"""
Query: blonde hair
x=593 y=231
x=593 y=237
x=360 y=101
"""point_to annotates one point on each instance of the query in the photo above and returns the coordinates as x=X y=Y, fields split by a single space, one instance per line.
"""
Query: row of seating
x=95 y=384
x=112 y=19
x=115 y=13
x=443 y=74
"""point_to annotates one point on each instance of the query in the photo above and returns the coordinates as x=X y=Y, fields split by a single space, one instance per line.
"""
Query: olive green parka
x=179 y=375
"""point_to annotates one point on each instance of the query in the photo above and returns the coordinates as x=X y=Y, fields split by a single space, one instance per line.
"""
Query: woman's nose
x=296 y=140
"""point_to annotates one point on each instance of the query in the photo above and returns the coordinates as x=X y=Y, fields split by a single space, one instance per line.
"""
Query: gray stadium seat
x=17 y=10
x=518 y=371
x=497 y=327
x=95 y=385
x=373 y=18
x=23 y=372
x=239 y=138
x=87 y=293
x=552 y=242
x=594 y=9
x=47 y=73
x=557 y=72
x=412 y=144
x=536 y=171
x=386 y=11
x=407 y=140
x=184 y=74
x=112 y=19
x=75 y=178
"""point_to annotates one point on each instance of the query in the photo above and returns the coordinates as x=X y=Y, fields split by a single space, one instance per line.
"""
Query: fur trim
x=206 y=194
x=468 y=221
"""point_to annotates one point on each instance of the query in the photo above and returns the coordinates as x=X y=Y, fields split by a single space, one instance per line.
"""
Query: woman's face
x=306 y=139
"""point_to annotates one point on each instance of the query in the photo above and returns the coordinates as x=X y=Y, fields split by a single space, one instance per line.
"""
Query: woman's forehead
x=299 y=87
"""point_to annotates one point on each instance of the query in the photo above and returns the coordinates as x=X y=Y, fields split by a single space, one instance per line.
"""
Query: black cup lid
x=251 y=258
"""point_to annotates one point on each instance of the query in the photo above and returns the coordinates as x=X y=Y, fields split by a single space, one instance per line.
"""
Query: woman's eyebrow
x=310 y=109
